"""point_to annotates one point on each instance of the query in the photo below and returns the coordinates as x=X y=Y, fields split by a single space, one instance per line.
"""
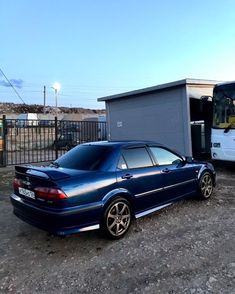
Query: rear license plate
x=27 y=193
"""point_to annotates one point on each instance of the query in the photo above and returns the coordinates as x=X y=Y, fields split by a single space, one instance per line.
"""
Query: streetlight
x=56 y=86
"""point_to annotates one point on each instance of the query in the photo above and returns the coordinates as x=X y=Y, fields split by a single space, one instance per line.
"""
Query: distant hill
x=34 y=108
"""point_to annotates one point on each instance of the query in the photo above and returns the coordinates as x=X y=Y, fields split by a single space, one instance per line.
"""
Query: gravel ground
x=185 y=248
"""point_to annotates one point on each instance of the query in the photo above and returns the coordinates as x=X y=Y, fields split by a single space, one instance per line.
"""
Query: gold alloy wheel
x=118 y=218
x=206 y=185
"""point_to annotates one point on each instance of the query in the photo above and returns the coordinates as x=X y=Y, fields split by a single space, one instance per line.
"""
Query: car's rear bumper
x=58 y=221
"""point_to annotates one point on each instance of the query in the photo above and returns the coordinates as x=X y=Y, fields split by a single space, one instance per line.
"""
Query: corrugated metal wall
x=162 y=116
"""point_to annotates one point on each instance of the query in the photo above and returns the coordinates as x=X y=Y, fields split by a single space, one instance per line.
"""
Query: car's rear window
x=85 y=157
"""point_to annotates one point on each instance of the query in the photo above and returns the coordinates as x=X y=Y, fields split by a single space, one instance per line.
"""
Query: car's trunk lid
x=39 y=184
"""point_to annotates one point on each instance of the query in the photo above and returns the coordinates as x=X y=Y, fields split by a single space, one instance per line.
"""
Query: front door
x=179 y=178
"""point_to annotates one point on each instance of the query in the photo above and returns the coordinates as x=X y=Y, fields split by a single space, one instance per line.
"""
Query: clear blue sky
x=95 y=48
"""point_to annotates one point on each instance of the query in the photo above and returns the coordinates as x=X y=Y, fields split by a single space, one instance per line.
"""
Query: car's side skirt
x=77 y=230
x=138 y=215
x=90 y=228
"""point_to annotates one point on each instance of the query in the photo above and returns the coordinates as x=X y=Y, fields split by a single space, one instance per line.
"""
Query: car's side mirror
x=189 y=159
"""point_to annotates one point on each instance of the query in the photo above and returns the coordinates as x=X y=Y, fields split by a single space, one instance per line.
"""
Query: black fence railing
x=29 y=141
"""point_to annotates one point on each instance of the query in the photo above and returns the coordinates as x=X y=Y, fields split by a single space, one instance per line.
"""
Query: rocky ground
x=6 y=108
x=186 y=248
x=35 y=108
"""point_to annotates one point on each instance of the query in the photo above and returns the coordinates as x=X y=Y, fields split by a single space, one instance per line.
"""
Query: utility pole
x=56 y=98
x=56 y=86
x=44 y=100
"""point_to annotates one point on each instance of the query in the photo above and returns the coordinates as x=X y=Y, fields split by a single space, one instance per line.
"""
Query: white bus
x=223 y=127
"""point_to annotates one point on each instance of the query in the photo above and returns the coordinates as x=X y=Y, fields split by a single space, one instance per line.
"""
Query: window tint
x=137 y=157
x=164 y=157
x=85 y=157
x=122 y=163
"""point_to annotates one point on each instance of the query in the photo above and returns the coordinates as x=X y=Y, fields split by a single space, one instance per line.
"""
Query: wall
x=160 y=116
x=196 y=91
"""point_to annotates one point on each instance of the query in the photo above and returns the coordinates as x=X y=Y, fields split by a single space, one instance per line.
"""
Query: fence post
x=56 y=136
x=3 y=131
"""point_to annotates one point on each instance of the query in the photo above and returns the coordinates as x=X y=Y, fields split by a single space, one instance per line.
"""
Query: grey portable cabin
x=173 y=114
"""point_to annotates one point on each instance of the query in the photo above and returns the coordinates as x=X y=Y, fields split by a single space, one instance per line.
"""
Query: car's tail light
x=17 y=183
x=50 y=193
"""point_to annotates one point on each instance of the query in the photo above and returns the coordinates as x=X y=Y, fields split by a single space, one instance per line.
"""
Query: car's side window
x=122 y=163
x=165 y=157
x=137 y=157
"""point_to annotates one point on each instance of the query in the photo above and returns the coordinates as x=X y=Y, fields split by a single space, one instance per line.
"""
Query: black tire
x=117 y=218
x=205 y=186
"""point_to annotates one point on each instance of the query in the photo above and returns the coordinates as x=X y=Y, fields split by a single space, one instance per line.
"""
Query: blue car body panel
x=89 y=192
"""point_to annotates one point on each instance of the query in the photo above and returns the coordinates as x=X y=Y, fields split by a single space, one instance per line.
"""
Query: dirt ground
x=188 y=247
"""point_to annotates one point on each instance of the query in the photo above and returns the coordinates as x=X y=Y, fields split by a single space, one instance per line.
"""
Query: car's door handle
x=127 y=176
x=165 y=170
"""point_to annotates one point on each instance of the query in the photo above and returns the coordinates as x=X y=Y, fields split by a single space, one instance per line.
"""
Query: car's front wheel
x=117 y=218
x=205 y=186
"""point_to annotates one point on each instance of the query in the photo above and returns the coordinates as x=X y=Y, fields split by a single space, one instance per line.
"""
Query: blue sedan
x=105 y=185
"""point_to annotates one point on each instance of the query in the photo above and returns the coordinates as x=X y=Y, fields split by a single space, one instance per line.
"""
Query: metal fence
x=30 y=141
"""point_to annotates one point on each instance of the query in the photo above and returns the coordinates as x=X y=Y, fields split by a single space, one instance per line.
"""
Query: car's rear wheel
x=117 y=218
x=205 y=186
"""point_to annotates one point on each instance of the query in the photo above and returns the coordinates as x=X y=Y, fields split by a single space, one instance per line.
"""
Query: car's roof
x=123 y=143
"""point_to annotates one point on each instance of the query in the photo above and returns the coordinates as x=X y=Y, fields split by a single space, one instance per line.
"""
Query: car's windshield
x=85 y=157
x=224 y=107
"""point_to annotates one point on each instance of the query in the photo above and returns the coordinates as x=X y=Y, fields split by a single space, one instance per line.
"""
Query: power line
x=11 y=86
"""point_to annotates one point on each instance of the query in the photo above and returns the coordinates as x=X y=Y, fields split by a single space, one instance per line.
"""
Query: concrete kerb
x=6 y=169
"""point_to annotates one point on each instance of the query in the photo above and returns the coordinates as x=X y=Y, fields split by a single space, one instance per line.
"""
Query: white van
x=27 y=119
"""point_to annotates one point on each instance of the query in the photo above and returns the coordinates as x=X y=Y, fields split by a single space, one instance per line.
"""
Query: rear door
x=138 y=174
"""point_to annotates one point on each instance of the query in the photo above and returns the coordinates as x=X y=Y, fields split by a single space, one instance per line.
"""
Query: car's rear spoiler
x=42 y=172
